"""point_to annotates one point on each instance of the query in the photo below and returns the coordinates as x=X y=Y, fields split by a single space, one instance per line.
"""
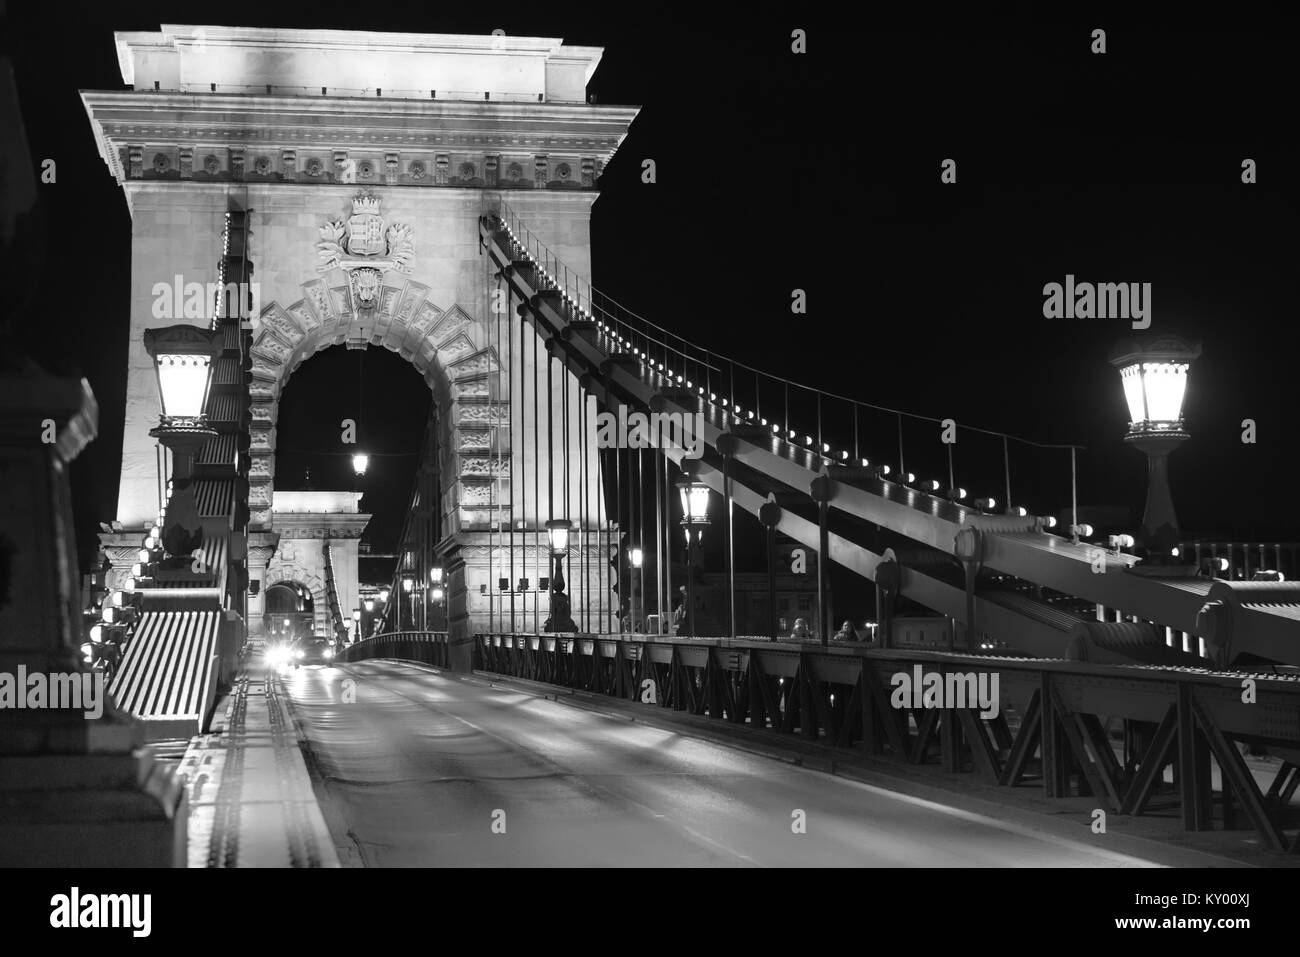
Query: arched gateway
x=360 y=164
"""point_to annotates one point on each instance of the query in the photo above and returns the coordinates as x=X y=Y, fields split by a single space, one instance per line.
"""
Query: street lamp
x=695 y=518
x=557 y=531
x=182 y=356
x=408 y=586
x=360 y=462
x=1154 y=373
x=635 y=558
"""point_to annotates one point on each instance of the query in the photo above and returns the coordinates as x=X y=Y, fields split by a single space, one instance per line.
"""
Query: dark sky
x=821 y=172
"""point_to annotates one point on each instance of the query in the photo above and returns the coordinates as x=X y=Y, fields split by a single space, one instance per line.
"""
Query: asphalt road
x=422 y=769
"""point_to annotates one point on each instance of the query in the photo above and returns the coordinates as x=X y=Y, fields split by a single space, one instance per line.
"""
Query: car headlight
x=329 y=653
x=299 y=654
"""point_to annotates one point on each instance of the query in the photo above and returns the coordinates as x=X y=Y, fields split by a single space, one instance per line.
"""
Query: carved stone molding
x=135 y=161
x=490 y=164
x=237 y=164
x=588 y=171
x=289 y=165
x=540 y=165
x=187 y=162
x=390 y=168
x=441 y=163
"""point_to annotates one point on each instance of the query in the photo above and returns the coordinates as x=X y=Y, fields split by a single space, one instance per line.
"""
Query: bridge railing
x=833 y=429
x=429 y=647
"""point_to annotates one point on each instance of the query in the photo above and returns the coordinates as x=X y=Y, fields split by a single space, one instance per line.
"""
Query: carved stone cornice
x=416 y=129
x=299 y=526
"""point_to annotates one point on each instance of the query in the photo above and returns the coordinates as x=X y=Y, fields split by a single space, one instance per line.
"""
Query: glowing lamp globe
x=1154 y=375
x=636 y=556
x=695 y=502
x=182 y=356
x=557 y=531
x=360 y=462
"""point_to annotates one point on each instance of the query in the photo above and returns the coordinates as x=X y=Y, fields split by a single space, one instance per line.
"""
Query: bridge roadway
x=412 y=771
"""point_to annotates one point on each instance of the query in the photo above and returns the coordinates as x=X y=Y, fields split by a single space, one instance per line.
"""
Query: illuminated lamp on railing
x=1118 y=542
x=910 y=479
x=826 y=447
x=690 y=385
x=701 y=390
x=931 y=485
x=144 y=556
x=1212 y=566
x=1047 y=521
x=776 y=429
x=957 y=494
x=843 y=454
x=1017 y=510
x=986 y=504
x=807 y=440
x=1081 y=531
x=383 y=594
x=713 y=397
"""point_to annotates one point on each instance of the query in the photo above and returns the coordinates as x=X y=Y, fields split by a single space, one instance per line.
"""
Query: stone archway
x=446 y=347
x=292 y=586
x=295 y=573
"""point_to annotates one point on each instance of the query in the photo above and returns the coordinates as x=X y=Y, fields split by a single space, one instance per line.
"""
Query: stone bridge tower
x=363 y=162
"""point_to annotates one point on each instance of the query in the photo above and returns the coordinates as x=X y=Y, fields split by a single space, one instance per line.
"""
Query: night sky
x=821 y=172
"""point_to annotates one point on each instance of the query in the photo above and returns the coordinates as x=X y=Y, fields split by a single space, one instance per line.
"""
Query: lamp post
x=1154 y=373
x=635 y=558
x=557 y=530
x=408 y=586
x=360 y=462
x=436 y=591
x=182 y=356
x=695 y=518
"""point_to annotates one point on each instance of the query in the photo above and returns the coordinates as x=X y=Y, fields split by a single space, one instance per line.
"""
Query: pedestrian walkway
x=250 y=796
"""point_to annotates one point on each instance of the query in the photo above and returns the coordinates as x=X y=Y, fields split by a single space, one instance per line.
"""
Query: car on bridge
x=311 y=651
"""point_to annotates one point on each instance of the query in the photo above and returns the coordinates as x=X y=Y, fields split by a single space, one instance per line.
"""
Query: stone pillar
x=76 y=788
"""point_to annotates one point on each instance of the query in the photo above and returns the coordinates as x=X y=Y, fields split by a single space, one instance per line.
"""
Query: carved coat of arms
x=365 y=249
